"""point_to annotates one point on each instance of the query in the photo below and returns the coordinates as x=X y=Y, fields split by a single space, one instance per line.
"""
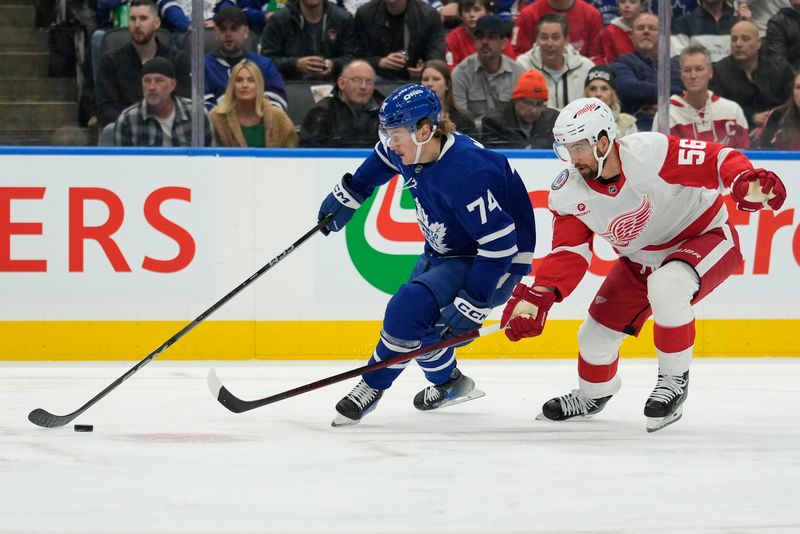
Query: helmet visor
x=395 y=136
x=567 y=151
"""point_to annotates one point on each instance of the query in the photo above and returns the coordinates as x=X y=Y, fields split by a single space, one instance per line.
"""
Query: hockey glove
x=342 y=203
x=756 y=189
x=526 y=312
x=463 y=315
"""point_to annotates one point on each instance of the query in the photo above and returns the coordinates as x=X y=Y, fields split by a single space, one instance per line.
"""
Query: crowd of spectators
x=502 y=70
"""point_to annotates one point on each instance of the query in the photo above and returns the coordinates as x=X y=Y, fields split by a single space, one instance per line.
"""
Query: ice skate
x=356 y=404
x=665 y=404
x=574 y=404
x=460 y=388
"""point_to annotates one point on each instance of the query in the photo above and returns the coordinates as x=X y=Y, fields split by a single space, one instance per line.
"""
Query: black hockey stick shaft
x=44 y=418
x=237 y=405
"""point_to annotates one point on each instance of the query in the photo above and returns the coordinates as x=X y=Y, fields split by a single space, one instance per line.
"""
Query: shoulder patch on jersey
x=560 y=180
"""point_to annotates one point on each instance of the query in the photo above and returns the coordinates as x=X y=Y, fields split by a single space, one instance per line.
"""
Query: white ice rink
x=165 y=457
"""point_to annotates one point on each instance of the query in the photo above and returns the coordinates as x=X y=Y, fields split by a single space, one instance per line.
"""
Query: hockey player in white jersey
x=477 y=219
x=658 y=201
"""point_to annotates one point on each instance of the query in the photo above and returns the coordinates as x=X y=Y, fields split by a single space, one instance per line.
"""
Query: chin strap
x=600 y=161
x=419 y=145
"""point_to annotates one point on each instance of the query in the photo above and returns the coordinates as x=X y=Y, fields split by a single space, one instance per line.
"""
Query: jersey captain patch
x=560 y=180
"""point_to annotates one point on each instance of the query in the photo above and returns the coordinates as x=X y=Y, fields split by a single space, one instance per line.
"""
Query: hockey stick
x=44 y=418
x=237 y=405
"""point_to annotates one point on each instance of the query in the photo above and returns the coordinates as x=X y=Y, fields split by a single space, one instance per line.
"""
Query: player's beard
x=587 y=171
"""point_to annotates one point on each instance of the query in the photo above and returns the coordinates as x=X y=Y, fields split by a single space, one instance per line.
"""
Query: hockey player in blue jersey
x=477 y=219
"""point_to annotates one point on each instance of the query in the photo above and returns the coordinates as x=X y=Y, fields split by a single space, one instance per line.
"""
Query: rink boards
x=104 y=254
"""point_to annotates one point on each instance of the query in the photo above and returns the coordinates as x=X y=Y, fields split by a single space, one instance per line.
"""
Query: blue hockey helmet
x=409 y=104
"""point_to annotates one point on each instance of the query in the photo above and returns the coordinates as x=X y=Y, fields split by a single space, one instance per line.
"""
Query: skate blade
x=543 y=417
x=341 y=420
x=472 y=395
x=655 y=424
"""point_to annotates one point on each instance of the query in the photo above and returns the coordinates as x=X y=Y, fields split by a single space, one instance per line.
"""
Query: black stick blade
x=45 y=419
x=225 y=397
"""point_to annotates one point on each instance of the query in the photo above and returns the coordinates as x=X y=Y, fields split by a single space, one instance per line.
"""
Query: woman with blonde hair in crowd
x=436 y=77
x=245 y=118
x=781 y=128
x=600 y=84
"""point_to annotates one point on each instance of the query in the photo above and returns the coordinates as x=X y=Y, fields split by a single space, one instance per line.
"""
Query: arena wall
x=105 y=253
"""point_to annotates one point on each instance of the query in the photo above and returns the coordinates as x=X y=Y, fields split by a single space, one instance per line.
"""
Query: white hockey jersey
x=721 y=120
x=669 y=190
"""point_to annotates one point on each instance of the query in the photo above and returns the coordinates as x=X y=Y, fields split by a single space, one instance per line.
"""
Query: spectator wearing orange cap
x=526 y=121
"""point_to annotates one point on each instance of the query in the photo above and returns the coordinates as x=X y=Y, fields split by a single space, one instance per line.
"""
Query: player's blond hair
x=445 y=127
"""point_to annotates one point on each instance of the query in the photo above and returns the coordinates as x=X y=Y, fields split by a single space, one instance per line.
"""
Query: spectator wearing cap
x=600 y=84
x=119 y=77
x=564 y=69
x=584 y=20
x=161 y=118
x=232 y=33
x=398 y=36
x=526 y=121
x=486 y=79
x=460 y=42
x=700 y=114
x=311 y=40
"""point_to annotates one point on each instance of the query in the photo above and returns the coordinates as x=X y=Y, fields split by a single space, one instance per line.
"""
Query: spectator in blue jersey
x=608 y=10
x=310 y=40
x=349 y=117
x=232 y=33
x=398 y=36
x=176 y=15
x=636 y=73
x=161 y=118
x=477 y=219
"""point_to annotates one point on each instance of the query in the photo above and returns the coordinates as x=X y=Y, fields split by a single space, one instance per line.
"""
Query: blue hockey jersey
x=470 y=202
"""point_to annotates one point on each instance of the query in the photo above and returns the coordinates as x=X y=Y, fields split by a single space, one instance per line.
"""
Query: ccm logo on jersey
x=560 y=180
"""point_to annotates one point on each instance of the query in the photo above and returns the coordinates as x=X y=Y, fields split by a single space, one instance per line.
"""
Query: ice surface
x=165 y=457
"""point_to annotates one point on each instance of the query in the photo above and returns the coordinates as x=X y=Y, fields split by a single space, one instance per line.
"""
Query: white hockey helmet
x=584 y=118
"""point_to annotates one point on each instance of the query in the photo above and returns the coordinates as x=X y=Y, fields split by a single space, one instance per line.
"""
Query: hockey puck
x=84 y=428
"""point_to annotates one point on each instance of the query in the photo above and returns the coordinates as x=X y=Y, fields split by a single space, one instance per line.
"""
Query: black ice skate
x=356 y=404
x=665 y=404
x=460 y=388
x=574 y=404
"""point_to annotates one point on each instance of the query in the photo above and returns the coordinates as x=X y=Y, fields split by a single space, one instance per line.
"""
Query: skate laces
x=576 y=403
x=362 y=394
x=433 y=393
x=668 y=387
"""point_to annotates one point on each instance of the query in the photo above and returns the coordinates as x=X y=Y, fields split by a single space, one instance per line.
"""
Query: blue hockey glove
x=463 y=315
x=342 y=203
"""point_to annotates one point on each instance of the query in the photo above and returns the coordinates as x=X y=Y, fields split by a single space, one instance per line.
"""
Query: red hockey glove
x=756 y=189
x=526 y=312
